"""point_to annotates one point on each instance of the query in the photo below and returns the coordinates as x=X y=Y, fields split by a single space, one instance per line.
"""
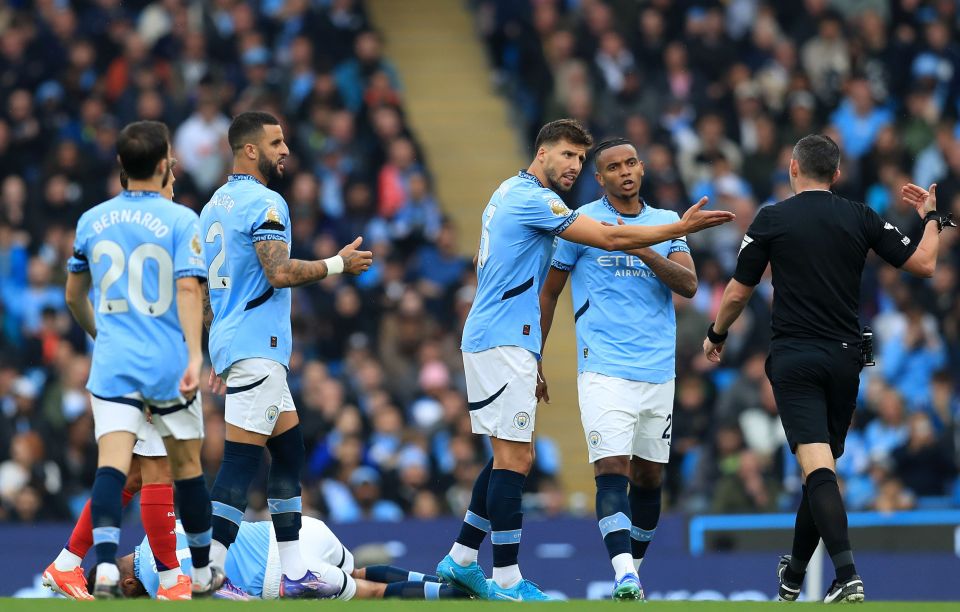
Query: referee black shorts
x=815 y=385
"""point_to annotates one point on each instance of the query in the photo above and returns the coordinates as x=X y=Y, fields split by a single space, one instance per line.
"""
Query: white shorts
x=625 y=417
x=257 y=393
x=322 y=553
x=501 y=392
x=170 y=417
x=151 y=445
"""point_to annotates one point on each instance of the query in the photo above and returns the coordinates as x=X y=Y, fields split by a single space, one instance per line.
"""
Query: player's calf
x=613 y=518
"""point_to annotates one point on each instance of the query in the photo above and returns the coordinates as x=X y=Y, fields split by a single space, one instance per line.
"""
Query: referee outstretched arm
x=816 y=244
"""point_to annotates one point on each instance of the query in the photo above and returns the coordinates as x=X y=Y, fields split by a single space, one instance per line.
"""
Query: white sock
x=202 y=575
x=107 y=573
x=291 y=563
x=636 y=565
x=507 y=576
x=622 y=564
x=463 y=555
x=168 y=578
x=218 y=554
x=66 y=561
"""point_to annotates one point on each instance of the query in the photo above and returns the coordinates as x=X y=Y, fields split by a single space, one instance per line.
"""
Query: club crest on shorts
x=521 y=420
x=594 y=438
x=272 y=413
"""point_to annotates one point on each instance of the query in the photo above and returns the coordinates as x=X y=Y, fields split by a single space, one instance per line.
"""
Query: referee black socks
x=805 y=541
x=830 y=518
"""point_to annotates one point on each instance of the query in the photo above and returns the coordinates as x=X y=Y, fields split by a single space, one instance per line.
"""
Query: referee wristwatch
x=714 y=337
x=942 y=220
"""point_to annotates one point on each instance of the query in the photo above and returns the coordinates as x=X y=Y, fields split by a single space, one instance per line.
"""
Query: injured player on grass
x=253 y=568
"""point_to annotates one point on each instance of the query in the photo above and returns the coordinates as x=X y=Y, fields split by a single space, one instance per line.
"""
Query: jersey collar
x=610 y=207
x=141 y=194
x=242 y=177
x=136 y=564
x=530 y=177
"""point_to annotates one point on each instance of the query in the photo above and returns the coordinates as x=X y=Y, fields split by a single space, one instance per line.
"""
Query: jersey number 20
x=134 y=267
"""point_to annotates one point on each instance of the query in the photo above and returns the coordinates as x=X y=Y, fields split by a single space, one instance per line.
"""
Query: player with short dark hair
x=501 y=342
x=625 y=357
x=149 y=475
x=816 y=244
x=246 y=241
x=142 y=255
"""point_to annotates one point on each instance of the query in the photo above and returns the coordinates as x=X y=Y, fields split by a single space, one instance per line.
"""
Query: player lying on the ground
x=253 y=568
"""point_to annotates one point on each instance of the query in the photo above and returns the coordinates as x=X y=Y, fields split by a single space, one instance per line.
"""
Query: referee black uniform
x=816 y=243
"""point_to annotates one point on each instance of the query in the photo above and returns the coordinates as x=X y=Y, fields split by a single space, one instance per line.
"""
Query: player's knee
x=646 y=474
x=612 y=465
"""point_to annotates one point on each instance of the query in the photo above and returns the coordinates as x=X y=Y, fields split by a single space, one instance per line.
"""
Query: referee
x=816 y=243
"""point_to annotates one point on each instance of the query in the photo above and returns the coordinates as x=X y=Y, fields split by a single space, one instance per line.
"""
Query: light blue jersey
x=135 y=247
x=517 y=240
x=626 y=324
x=246 y=566
x=250 y=317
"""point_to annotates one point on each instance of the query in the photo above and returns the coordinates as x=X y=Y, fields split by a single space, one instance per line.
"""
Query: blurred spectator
x=924 y=464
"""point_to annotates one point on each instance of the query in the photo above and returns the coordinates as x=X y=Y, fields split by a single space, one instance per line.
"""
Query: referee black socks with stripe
x=830 y=518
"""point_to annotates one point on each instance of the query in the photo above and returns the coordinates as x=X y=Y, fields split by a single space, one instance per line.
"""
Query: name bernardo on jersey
x=137 y=217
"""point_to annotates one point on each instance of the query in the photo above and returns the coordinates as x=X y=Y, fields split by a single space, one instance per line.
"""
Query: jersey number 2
x=138 y=257
x=215 y=281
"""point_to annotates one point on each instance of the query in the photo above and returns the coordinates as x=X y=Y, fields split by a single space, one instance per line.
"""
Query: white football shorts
x=257 y=393
x=177 y=418
x=625 y=417
x=501 y=392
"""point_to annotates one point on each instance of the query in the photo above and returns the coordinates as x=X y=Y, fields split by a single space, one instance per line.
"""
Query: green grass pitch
x=48 y=605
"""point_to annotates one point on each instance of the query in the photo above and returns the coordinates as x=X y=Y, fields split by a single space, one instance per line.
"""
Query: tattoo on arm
x=207 y=308
x=282 y=271
x=678 y=277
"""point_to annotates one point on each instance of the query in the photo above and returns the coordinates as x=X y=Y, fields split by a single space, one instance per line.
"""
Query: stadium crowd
x=712 y=94
x=376 y=371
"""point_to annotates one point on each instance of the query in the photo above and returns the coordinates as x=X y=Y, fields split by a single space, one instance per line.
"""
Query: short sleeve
x=543 y=210
x=755 y=249
x=566 y=255
x=887 y=239
x=187 y=249
x=270 y=219
x=78 y=262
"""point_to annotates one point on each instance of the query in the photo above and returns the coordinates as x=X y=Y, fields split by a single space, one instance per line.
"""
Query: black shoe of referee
x=788 y=591
x=848 y=591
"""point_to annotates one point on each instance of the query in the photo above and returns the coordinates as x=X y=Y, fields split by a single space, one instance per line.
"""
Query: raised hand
x=920 y=199
x=354 y=261
x=697 y=220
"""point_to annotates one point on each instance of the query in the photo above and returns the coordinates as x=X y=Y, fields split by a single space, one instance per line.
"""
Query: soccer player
x=626 y=344
x=149 y=475
x=254 y=570
x=501 y=342
x=246 y=238
x=142 y=255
